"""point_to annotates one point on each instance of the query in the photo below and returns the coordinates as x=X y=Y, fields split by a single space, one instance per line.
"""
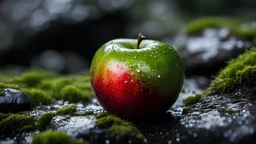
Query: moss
x=118 y=128
x=192 y=100
x=60 y=83
x=196 y=26
x=126 y=132
x=110 y=120
x=183 y=90
x=239 y=72
x=68 y=110
x=1 y=92
x=44 y=87
x=38 y=96
x=72 y=89
x=71 y=93
x=55 y=138
x=88 y=113
x=13 y=86
x=46 y=84
x=44 y=120
x=16 y=123
x=33 y=77
x=3 y=116
x=230 y=111
x=102 y=114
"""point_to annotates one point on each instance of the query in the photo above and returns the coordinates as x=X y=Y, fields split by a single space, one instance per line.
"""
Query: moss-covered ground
x=236 y=26
x=239 y=72
x=44 y=87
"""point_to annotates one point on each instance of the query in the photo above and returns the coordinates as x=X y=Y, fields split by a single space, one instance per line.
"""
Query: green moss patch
x=109 y=120
x=44 y=87
x=68 y=110
x=239 y=72
x=196 y=26
x=33 y=77
x=192 y=100
x=44 y=120
x=118 y=128
x=16 y=123
x=38 y=97
x=55 y=138
x=13 y=86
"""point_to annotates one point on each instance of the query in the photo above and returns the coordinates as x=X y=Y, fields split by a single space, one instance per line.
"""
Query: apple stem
x=140 y=38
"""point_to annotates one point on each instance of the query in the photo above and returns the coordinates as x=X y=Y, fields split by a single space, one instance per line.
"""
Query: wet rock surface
x=13 y=101
x=205 y=53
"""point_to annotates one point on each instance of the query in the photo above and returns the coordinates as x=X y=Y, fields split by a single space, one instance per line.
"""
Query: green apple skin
x=136 y=83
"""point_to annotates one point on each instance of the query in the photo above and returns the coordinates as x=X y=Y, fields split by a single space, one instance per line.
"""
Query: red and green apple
x=136 y=79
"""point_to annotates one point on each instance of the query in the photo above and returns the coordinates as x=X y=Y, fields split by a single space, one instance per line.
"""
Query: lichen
x=44 y=120
x=196 y=26
x=192 y=100
x=68 y=110
x=239 y=72
x=16 y=123
x=55 y=138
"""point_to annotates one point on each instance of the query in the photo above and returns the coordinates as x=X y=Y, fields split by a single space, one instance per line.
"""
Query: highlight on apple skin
x=135 y=78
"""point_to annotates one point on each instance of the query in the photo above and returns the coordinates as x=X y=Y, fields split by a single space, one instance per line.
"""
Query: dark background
x=63 y=35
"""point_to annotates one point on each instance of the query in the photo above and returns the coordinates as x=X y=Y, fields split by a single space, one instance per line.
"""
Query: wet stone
x=13 y=101
x=204 y=53
x=73 y=125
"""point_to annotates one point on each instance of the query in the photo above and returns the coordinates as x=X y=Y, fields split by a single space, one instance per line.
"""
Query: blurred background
x=63 y=35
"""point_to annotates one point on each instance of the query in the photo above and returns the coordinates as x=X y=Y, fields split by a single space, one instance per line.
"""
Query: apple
x=136 y=79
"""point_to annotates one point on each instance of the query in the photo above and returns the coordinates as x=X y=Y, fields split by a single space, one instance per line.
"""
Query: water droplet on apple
x=132 y=73
x=131 y=80
x=154 y=56
x=159 y=76
x=135 y=57
x=138 y=70
x=125 y=81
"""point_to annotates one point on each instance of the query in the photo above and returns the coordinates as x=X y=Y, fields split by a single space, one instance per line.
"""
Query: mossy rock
x=239 y=72
x=118 y=128
x=44 y=120
x=192 y=100
x=38 y=97
x=55 y=138
x=109 y=120
x=13 y=124
x=68 y=110
x=198 y=25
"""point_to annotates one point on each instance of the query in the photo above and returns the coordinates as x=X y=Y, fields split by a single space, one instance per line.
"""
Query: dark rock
x=72 y=125
x=217 y=119
x=13 y=101
x=207 y=52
